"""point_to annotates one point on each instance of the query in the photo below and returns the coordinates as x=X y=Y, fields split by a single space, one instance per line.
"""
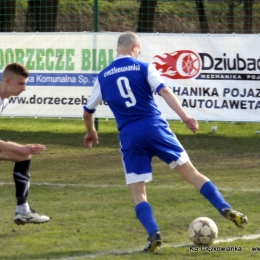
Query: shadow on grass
x=208 y=141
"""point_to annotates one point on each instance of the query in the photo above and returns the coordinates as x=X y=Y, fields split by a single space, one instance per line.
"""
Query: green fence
x=173 y=16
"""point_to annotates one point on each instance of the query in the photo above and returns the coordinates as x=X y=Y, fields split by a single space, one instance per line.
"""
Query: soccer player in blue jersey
x=127 y=85
x=13 y=82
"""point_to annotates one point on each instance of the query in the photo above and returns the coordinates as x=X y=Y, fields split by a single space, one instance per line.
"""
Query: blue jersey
x=127 y=85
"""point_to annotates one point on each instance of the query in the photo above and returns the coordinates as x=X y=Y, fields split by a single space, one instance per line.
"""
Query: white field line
x=136 y=250
x=125 y=186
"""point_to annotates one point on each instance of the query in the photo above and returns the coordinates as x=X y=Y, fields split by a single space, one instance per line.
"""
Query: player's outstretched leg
x=210 y=192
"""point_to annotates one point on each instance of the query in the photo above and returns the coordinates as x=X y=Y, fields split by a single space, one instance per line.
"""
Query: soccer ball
x=203 y=231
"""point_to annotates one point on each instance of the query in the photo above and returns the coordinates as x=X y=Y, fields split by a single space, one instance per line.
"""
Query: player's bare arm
x=22 y=149
x=174 y=103
x=91 y=137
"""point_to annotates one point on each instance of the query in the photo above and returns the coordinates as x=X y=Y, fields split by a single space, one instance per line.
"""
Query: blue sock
x=144 y=213
x=210 y=192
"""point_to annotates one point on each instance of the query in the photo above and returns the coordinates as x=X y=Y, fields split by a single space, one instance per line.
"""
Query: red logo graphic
x=183 y=64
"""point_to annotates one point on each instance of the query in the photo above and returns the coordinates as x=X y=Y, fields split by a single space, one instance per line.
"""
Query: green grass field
x=92 y=212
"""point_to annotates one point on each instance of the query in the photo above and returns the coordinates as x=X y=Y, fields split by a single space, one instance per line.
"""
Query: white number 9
x=126 y=91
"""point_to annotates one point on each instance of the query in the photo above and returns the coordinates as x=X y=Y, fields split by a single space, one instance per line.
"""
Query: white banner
x=215 y=77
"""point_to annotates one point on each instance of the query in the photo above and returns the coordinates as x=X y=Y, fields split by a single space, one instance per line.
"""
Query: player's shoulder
x=142 y=63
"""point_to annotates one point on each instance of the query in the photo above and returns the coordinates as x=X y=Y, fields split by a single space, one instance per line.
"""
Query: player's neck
x=124 y=52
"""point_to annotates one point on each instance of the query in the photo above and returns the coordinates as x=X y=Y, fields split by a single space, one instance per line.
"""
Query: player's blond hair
x=127 y=39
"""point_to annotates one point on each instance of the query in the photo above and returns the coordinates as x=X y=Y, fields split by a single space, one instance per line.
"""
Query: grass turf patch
x=92 y=212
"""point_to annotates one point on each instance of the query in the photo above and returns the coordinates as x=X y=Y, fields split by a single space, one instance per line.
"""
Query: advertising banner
x=216 y=77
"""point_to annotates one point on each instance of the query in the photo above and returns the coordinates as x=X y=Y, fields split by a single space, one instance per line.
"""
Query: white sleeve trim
x=95 y=97
x=154 y=78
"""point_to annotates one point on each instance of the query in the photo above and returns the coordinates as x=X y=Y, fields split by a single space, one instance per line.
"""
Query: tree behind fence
x=173 y=16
